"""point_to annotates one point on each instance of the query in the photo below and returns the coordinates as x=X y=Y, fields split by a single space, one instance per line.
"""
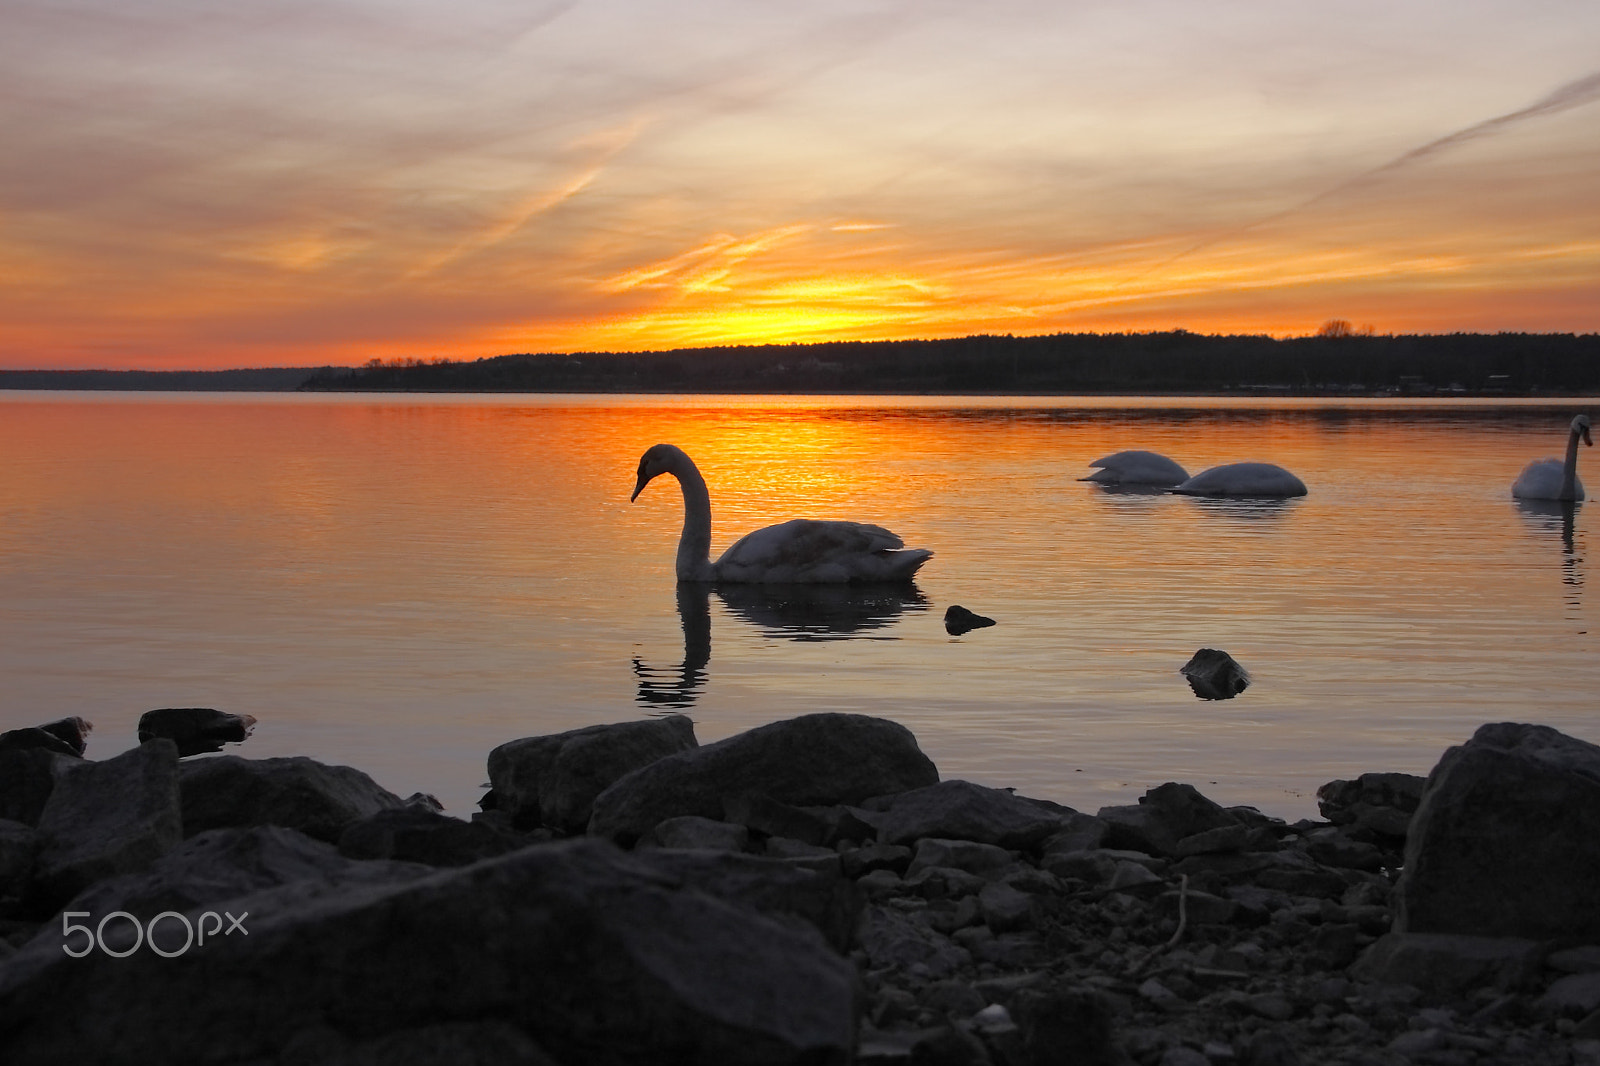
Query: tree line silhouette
x=1338 y=360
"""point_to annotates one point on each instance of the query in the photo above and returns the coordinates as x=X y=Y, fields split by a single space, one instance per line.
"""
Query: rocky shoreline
x=808 y=892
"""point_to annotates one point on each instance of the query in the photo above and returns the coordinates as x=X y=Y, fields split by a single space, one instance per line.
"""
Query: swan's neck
x=694 y=546
x=1569 y=470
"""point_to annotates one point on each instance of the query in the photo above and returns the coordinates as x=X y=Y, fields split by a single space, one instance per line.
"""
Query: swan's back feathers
x=1136 y=468
x=812 y=551
x=1243 y=479
x=1541 y=480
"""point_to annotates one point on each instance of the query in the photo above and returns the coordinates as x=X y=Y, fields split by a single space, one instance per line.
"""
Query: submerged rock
x=1214 y=675
x=196 y=730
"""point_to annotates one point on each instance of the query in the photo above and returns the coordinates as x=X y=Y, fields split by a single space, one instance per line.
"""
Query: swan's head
x=658 y=459
x=1580 y=428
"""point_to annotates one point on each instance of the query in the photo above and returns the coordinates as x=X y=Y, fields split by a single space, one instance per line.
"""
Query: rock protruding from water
x=574 y=947
x=1215 y=675
x=814 y=760
x=1372 y=805
x=1175 y=820
x=553 y=780
x=959 y=620
x=108 y=818
x=196 y=730
x=295 y=792
x=1506 y=839
x=65 y=736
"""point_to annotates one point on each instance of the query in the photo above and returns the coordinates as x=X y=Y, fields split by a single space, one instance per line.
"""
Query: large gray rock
x=196 y=730
x=107 y=818
x=294 y=792
x=961 y=810
x=18 y=843
x=221 y=865
x=809 y=890
x=1448 y=965
x=27 y=777
x=594 y=956
x=814 y=760
x=1506 y=840
x=553 y=780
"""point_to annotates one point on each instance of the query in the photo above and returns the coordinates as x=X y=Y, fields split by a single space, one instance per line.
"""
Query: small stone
x=1270 y=1005
x=894 y=858
x=993 y=1019
x=1416 y=1042
x=1158 y=993
x=1004 y=908
x=959 y=620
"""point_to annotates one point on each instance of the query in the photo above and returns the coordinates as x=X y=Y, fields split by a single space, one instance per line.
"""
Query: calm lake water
x=400 y=583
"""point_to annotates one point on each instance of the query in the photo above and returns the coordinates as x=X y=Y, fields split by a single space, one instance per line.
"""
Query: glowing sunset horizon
x=262 y=185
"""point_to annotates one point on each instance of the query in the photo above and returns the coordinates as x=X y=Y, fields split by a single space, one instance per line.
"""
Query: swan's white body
x=1555 y=479
x=1243 y=479
x=800 y=551
x=1136 y=468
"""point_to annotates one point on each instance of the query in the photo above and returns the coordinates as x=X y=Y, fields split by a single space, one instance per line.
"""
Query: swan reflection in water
x=1558 y=518
x=788 y=612
x=1250 y=508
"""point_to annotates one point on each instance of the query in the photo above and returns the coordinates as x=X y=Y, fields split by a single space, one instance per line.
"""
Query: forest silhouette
x=1338 y=360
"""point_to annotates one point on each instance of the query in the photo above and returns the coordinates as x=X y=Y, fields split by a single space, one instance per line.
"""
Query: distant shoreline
x=1176 y=363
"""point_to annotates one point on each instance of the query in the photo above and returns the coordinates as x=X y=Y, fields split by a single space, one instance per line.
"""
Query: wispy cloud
x=1573 y=94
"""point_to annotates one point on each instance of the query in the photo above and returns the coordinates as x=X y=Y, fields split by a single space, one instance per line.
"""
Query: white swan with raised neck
x=1556 y=479
x=800 y=551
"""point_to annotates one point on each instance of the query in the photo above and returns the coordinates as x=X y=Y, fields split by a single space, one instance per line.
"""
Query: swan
x=1243 y=479
x=800 y=551
x=1136 y=468
x=1551 y=479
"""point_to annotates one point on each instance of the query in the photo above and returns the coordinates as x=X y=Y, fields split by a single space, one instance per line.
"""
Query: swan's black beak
x=644 y=479
x=1586 y=438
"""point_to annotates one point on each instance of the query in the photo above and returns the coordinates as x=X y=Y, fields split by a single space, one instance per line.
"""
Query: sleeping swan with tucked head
x=800 y=551
x=1553 y=479
x=1136 y=468
x=1243 y=479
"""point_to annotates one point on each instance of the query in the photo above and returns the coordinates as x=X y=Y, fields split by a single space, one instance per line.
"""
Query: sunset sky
x=187 y=183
